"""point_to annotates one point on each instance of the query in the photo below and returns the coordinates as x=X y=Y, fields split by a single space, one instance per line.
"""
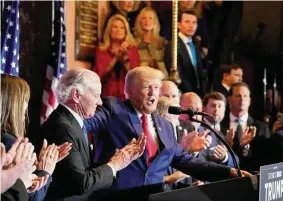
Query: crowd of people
x=112 y=129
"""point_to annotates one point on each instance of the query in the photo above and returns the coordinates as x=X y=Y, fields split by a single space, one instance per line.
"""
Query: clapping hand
x=248 y=135
x=123 y=157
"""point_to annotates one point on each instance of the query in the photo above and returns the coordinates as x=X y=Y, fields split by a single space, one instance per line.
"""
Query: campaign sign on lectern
x=271 y=182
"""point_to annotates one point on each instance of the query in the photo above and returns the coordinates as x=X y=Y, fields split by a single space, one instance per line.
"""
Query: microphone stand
x=223 y=141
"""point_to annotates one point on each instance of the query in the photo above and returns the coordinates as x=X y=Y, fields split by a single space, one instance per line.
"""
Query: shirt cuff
x=225 y=159
x=113 y=169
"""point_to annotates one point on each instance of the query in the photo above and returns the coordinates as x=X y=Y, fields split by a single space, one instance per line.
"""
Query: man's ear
x=75 y=94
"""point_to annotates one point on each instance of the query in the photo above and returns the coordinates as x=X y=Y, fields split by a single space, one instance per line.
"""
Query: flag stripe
x=57 y=63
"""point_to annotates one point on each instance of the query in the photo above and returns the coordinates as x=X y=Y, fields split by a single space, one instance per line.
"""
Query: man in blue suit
x=116 y=123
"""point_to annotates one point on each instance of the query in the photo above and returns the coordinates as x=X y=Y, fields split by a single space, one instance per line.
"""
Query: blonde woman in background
x=150 y=44
x=116 y=56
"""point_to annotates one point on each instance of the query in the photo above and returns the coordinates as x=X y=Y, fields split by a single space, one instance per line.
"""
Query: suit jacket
x=180 y=129
x=17 y=192
x=193 y=79
x=253 y=161
x=220 y=88
x=74 y=177
x=118 y=124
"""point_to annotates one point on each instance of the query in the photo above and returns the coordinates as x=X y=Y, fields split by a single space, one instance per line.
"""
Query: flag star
x=3 y=60
x=13 y=64
x=62 y=65
x=17 y=27
x=13 y=11
x=7 y=21
x=18 y=57
x=16 y=39
x=8 y=36
x=18 y=14
x=64 y=44
x=6 y=48
x=17 y=69
x=62 y=9
x=63 y=55
x=11 y=23
x=9 y=7
x=15 y=52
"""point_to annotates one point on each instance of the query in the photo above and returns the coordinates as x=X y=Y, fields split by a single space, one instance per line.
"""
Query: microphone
x=190 y=111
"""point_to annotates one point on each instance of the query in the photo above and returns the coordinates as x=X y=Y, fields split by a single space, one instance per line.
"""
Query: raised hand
x=201 y=142
x=219 y=153
x=187 y=139
x=230 y=137
x=123 y=157
x=64 y=150
x=48 y=160
x=248 y=135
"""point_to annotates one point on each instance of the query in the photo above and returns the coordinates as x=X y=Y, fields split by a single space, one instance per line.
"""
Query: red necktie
x=151 y=146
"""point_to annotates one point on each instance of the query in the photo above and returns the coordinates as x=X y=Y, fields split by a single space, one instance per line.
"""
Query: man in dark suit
x=193 y=76
x=245 y=135
x=76 y=177
x=214 y=103
x=229 y=74
x=119 y=122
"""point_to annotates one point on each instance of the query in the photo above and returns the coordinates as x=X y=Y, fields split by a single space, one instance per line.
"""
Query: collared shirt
x=76 y=115
x=186 y=40
x=243 y=119
x=81 y=123
x=225 y=86
x=214 y=126
x=151 y=126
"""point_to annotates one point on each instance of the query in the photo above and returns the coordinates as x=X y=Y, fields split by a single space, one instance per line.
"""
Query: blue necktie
x=85 y=134
x=193 y=52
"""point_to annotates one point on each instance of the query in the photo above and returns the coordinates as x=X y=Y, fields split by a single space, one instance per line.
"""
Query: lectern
x=239 y=189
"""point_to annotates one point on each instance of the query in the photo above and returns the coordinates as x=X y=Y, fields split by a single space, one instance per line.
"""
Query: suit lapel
x=76 y=126
x=135 y=122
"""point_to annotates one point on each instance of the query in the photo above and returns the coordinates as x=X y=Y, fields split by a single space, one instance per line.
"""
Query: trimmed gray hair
x=139 y=73
x=78 y=78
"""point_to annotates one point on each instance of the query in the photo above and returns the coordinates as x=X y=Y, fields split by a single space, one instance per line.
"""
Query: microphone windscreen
x=174 y=110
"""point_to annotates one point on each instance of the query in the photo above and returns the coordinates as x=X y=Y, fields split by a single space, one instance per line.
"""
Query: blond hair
x=106 y=36
x=163 y=105
x=135 y=7
x=138 y=32
x=139 y=73
x=14 y=93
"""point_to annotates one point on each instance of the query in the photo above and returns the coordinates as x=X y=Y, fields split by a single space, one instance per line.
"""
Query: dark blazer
x=193 y=79
x=253 y=161
x=8 y=140
x=180 y=129
x=118 y=124
x=17 y=192
x=220 y=88
x=74 y=178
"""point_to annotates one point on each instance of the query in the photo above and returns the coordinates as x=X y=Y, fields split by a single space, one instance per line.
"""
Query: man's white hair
x=139 y=73
x=78 y=78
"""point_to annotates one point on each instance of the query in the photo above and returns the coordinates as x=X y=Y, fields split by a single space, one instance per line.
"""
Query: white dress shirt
x=244 y=122
x=151 y=126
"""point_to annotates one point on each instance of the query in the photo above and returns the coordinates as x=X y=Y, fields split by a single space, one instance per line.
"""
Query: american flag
x=57 y=63
x=10 y=32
